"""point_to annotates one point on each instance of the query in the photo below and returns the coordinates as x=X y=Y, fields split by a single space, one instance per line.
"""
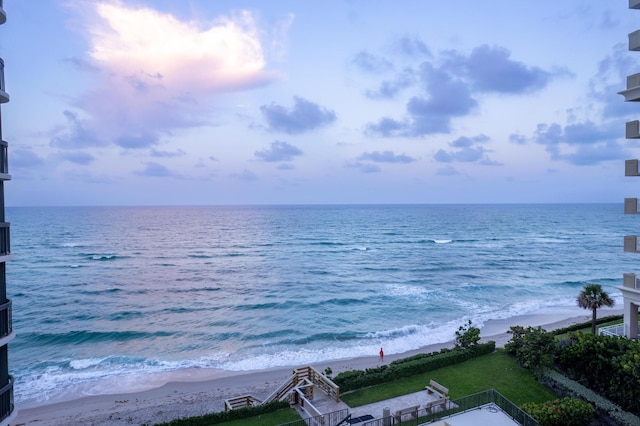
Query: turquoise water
x=101 y=294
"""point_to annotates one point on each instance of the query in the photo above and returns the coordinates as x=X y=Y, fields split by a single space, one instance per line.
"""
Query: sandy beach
x=193 y=393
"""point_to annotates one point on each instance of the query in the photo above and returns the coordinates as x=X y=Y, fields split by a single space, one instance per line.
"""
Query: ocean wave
x=85 y=336
x=74 y=378
x=103 y=257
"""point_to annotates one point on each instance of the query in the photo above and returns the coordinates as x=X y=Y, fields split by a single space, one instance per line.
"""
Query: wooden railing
x=241 y=401
x=320 y=380
x=303 y=377
x=284 y=389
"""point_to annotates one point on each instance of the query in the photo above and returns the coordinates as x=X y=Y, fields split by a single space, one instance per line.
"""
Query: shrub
x=532 y=347
x=467 y=336
x=608 y=365
x=223 y=416
x=563 y=385
x=561 y=412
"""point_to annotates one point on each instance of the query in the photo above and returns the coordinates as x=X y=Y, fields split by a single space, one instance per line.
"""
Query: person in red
x=381 y=355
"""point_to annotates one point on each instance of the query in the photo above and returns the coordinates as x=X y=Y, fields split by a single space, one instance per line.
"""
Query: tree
x=593 y=297
x=467 y=336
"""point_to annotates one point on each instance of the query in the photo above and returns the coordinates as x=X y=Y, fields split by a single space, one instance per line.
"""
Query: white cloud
x=159 y=73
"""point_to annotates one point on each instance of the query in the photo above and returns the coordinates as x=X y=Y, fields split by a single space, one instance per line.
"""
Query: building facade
x=7 y=408
x=630 y=283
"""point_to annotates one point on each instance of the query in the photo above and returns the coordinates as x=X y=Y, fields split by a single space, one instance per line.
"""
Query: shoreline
x=193 y=393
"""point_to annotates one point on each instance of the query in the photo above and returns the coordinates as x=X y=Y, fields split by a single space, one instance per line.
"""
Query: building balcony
x=632 y=92
x=7 y=407
x=4 y=96
x=3 y=15
x=4 y=161
x=5 y=241
x=6 y=323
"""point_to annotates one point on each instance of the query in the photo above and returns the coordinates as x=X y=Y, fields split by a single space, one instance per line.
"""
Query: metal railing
x=330 y=419
x=616 y=330
x=6 y=321
x=425 y=416
x=5 y=240
x=2 y=72
x=4 y=157
x=6 y=399
x=491 y=396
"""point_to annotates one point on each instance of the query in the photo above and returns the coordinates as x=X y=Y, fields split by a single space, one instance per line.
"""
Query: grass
x=285 y=415
x=497 y=370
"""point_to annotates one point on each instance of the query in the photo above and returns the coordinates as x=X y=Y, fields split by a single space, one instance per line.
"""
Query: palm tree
x=593 y=297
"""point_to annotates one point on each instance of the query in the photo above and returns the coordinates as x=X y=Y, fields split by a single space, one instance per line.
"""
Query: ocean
x=105 y=297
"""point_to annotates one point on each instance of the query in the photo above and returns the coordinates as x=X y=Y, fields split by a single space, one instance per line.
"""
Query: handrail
x=283 y=389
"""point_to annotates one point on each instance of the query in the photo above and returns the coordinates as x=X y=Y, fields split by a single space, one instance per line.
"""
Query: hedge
x=357 y=379
x=561 y=412
x=224 y=416
x=565 y=386
x=581 y=325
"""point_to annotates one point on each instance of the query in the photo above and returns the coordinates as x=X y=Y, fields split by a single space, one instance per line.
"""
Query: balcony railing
x=6 y=321
x=4 y=96
x=5 y=240
x=6 y=399
x=616 y=330
x=4 y=157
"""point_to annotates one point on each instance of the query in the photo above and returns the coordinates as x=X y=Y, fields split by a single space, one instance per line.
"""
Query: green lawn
x=285 y=415
x=498 y=371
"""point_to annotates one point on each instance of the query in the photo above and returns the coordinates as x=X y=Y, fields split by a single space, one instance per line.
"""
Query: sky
x=200 y=102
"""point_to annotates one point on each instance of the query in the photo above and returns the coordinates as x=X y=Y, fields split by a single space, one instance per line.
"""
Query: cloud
x=25 y=159
x=412 y=47
x=154 y=170
x=279 y=151
x=386 y=157
x=158 y=72
x=611 y=79
x=286 y=166
x=490 y=69
x=447 y=171
x=389 y=89
x=466 y=150
x=518 y=139
x=303 y=117
x=81 y=158
x=364 y=167
x=371 y=63
x=75 y=135
x=584 y=143
x=447 y=87
x=386 y=127
x=245 y=175
x=447 y=97
x=167 y=154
